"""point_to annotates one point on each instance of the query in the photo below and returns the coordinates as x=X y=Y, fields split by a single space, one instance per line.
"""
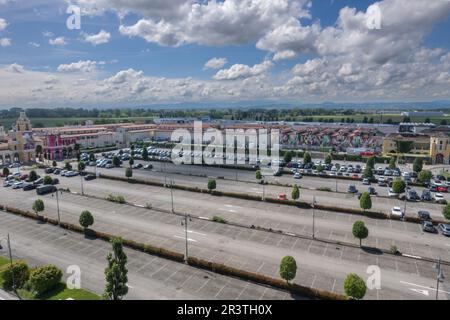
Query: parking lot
x=44 y=244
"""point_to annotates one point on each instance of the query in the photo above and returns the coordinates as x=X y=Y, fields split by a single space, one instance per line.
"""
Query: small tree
x=86 y=219
x=288 y=156
x=145 y=154
x=354 y=287
x=446 y=212
x=320 y=168
x=370 y=162
x=91 y=156
x=116 y=272
x=328 y=159
x=5 y=171
x=258 y=175
x=295 y=192
x=116 y=161
x=38 y=206
x=360 y=231
x=425 y=176
x=418 y=165
x=131 y=162
x=128 y=173
x=21 y=273
x=288 y=268
x=212 y=185
x=54 y=164
x=398 y=186
x=68 y=166
x=32 y=176
x=45 y=278
x=368 y=173
x=366 y=201
x=48 y=180
x=306 y=157
x=392 y=163
x=81 y=166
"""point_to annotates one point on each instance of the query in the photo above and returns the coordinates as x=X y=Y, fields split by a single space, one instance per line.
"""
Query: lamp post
x=314 y=217
x=185 y=223
x=171 y=194
x=57 y=205
x=8 y=242
x=440 y=276
x=82 y=188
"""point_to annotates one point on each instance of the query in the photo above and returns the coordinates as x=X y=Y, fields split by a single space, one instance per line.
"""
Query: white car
x=17 y=185
x=297 y=175
x=392 y=194
x=8 y=183
x=366 y=181
x=71 y=174
x=397 y=212
x=439 y=197
x=63 y=173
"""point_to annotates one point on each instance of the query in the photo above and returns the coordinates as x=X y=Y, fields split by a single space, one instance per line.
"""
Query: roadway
x=150 y=277
x=321 y=265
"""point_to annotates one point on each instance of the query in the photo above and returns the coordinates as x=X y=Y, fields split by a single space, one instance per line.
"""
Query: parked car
x=55 y=181
x=38 y=181
x=445 y=229
x=137 y=166
x=282 y=196
x=366 y=181
x=428 y=226
x=24 y=176
x=71 y=174
x=18 y=185
x=57 y=171
x=90 y=177
x=424 y=215
x=439 y=198
x=372 y=191
x=46 y=189
x=8 y=183
x=392 y=194
x=426 y=195
x=352 y=189
x=28 y=187
x=411 y=195
x=397 y=212
x=148 y=167
x=49 y=170
x=297 y=175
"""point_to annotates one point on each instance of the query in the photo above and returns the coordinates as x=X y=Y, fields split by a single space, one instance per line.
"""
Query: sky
x=126 y=53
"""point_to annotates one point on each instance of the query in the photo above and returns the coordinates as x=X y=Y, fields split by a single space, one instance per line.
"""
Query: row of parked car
x=19 y=181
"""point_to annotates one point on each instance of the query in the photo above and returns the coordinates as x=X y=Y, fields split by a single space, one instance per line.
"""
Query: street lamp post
x=57 y=206
x=440 y=276
x=171 y=194
x=314 y=216
x=185 y=223
x=82 y=187
x=8 y=242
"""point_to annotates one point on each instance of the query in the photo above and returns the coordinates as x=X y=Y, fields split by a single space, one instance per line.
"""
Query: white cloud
x=5 y=42
x=3 y=24
x=215 y=63
x=34 y=44
x=80 y=66
x=47 y=34
x=15 y=68
x=242 y=71
x=59 y=41
x=99 y=38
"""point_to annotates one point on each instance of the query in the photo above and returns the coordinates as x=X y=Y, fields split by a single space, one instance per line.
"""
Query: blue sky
x=284 y=50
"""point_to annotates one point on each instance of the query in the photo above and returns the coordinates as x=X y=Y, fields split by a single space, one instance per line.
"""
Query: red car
x=442 y=189
x=282 y=196
x=24 y=176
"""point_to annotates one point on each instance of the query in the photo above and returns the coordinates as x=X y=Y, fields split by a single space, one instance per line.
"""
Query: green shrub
x=394 y=249
x=354 y=286
x=113 y=198
x=45 y=278
x=219 y=219
x=21 y=275
x=48 y=180
x=86 y=219
x=326 y=189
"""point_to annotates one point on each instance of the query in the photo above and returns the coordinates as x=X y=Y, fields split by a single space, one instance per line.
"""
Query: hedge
x=263 y=279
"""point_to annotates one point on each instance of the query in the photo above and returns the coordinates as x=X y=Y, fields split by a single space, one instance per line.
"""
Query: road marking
x=411 y=256
x=201 y=234
x=189 y=239
x=139 y=205
x=231 y=206
x=418 y=285
x=228 y=210
x=203 y=218
x=289 y=234
x=424 y=292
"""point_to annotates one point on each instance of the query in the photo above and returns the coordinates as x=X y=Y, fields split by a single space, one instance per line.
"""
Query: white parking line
x=424 y=287
x=228 y=210
x=189 y=239
x=201 y=234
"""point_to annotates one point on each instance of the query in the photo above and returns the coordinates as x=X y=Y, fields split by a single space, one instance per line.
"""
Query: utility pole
x=314 y=216
x=82 y=187
x=185 y=223
x=171 y=194
x=440 y=276
x=57 y=206
x=8 y=242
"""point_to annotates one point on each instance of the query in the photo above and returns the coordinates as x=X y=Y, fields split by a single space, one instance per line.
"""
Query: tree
x=91 y=156
x=86 y=219
x=38 y=150
x=38 y=206
x=360 y=231
x=328 y=159
x=446 y=212
x=258 y=175
x=320 y=168
x=32 y=176
x=370 y=162
x=288 y=156
x=368 y=173
x=295 y=192
x=81 y=166
x=392 y=163
x=45 y=278
x=398 y=186
x=21 y=273
x=68 y=166
x=116 y=272
x=418 y=165
x=288 y=268
x=77 y=151
x=212 y=185
x=54 y=164
x=307 y=157
x=131 y=162
x=354 y=287
x=145 y=154
x=128 y=173
x=365 y=201
x=5 y=171
x=116 y=161
x=425 y=176
x=48 y=180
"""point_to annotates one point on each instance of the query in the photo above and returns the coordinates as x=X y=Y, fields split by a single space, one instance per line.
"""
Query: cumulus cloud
x=5 y=42
x=242 y=71
x=59 y=41
x=80 y=66
x=215 y=63
x=3 y=24
x=34 y=44
x=99 y=38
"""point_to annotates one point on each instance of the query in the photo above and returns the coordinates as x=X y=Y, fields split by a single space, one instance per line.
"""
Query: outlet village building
x=57 y=143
